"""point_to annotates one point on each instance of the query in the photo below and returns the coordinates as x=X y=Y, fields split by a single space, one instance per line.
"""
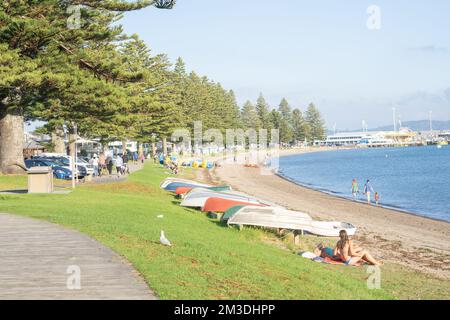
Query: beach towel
x=327 y=260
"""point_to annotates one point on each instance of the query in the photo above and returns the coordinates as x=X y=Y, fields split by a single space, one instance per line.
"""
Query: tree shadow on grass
x=17 y=191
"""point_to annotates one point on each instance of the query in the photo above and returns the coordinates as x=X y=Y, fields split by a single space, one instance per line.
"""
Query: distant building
x=344 y=139
x=444 y=135
x=369 y=138
x=32 y=149
x=34 y=144
x=116 y=146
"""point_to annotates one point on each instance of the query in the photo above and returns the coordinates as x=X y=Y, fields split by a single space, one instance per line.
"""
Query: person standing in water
x=368 y=190
x=377 y=197
x=355 y=188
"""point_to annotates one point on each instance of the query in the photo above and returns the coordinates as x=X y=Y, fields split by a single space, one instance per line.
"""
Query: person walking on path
x=101 y=164
x=368 y=190
x=109 y=164
x=135 y=158
x=125 y=159
x=95 y=165
x=119 y=165
x=355 y=188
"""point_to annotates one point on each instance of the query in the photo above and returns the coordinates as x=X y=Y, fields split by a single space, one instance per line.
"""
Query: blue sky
x=320 y=51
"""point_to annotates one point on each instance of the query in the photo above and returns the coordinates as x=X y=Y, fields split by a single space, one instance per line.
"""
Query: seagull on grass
x=164 y=241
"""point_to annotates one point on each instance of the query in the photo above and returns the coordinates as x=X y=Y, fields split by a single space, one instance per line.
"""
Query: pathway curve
x=40 y=260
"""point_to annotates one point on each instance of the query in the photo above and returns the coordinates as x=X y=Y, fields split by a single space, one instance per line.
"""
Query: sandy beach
x=417 y=242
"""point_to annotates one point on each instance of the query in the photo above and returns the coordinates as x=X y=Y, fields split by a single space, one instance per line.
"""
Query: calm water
x=415 y=179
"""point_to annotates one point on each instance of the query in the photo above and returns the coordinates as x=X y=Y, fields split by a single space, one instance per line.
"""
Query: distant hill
x=420 y=125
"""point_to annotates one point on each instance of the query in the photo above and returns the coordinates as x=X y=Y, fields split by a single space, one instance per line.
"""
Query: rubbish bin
x=40 y=180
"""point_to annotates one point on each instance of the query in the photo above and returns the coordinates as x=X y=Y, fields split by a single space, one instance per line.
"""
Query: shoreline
x=331 y=194
x=393 y=235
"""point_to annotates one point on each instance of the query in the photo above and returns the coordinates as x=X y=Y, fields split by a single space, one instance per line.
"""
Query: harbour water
x=412 y=179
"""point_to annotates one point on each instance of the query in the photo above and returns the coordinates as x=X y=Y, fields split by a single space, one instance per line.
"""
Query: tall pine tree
x=285 y=127
x=315 y=123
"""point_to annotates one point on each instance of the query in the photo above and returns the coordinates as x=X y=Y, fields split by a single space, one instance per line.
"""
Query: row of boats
x=237 y=208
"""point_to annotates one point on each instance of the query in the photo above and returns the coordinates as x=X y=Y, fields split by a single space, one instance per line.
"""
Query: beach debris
x=164 y=241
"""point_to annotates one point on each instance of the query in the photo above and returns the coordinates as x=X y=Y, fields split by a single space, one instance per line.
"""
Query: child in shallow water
x=377 y=197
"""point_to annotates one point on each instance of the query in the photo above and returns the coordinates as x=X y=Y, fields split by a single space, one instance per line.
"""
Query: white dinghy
x=271 y=217
x=170 y=180
x=275 y=217
x=331 y=228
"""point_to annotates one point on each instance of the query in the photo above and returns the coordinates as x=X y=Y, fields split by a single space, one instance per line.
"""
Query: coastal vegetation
x=70 y=65
x=208 y=260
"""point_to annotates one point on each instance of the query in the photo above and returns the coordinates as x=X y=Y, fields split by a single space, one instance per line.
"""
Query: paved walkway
x=106 y=178
x=40 y=260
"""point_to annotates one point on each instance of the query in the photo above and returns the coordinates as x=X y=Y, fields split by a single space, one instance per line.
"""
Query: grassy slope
x=208 y=260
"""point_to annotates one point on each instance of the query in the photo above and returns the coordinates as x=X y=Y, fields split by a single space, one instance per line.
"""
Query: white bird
x=164 y=240
x=160 y=216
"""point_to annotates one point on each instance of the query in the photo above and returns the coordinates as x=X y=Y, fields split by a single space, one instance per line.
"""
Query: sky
x=314 y=51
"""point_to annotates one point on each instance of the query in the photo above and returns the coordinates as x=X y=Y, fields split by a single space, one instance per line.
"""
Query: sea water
x=412 y=179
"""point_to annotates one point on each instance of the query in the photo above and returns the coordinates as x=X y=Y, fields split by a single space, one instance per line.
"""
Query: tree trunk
x=164 y=145
x=11 y=143
x=124 y=146
x=58 y=140
x=153 y=149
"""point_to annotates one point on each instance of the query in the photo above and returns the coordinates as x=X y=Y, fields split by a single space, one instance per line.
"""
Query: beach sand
x=417 y=242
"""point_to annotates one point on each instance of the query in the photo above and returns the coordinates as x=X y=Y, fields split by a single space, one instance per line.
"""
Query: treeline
x=68 y=63
x=75 y=68
x=294 y=125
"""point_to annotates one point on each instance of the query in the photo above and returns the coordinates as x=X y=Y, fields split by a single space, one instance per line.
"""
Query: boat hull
x=331 y=228
x=174 y=185
x=271 y=217
x=222 y=205
x=170 y=180
x=184 y=190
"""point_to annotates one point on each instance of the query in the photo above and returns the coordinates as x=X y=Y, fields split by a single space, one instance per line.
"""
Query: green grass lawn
x=207 y=260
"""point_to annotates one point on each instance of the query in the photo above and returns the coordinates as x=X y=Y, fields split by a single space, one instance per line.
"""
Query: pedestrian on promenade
x=101 y=164
x=119 y=165
x=95 y=165
x=368 y=190
x=355 y=188
x=125 y=168
x=135 y=157
x=109 y=164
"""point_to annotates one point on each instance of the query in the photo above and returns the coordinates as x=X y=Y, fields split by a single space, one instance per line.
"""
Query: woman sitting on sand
x=350 y=253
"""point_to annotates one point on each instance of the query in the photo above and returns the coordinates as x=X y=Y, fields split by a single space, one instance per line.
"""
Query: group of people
x=347 y=252
x=104 y=164
x=368 y=191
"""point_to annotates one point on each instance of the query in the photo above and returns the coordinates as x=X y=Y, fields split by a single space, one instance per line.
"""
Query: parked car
x=89 y=168
x=58 y=171
x=65 y=163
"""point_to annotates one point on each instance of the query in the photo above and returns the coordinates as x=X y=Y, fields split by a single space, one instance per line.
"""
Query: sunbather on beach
x=350 y=253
